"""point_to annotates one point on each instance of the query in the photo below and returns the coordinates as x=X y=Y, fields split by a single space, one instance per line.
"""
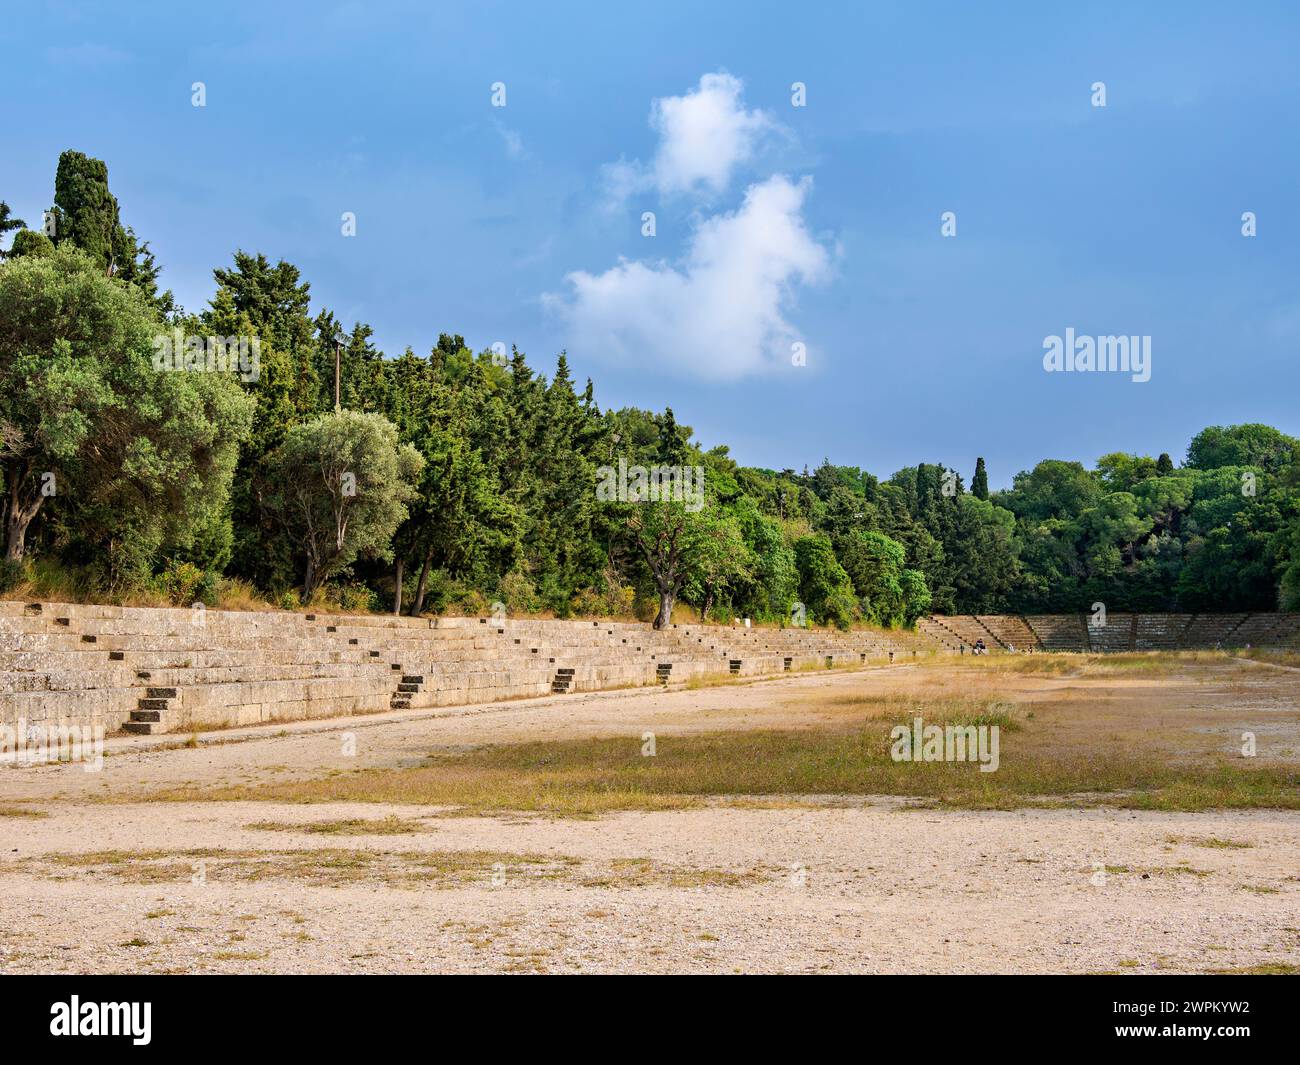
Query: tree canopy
x=473 y=479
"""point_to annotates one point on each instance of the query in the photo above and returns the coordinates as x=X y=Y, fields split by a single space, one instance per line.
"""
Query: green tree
x=7 y=223
x=338 y=486
x=90 y=427
x=979 y=485
x=1242 y=445
x=660 y=532
x=29 y=242
x=824 y=586
x=86 y=214
x=718 y=559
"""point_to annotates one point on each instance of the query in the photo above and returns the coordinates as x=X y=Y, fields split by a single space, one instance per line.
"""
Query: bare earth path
x=857 y=886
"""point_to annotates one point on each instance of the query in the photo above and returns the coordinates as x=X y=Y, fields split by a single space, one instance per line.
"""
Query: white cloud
x=720 y=313
x=704 y=136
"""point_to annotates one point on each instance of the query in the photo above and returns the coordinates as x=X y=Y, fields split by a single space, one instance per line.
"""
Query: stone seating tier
x=150 y=670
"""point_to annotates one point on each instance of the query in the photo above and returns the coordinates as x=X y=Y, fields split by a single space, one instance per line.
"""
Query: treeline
x=462 y=481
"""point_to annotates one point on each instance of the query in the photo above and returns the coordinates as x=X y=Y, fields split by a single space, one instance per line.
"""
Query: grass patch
x=1209 y=841
x=1140 y=742
x=1272 y=968
x=961 y=713
x=1273 y=656
x=645 y=872
x=592 y=776
x=1130 y=663
x=21 y=811
x=357 y=826
x=327 y=867
x=336 y=867
x=709 y=680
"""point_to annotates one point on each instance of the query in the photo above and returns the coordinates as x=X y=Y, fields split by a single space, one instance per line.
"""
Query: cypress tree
x=979 y=484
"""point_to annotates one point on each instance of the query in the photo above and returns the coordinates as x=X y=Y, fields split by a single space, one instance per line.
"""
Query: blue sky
x=775 y=224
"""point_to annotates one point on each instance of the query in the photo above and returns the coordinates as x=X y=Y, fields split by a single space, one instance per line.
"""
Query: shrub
x=518 y=593
x=615 y=601
x=184 y=584
x=354 y=598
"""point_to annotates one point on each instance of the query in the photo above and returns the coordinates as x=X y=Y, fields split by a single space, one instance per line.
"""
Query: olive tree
x=338 y=486
x=132 y=456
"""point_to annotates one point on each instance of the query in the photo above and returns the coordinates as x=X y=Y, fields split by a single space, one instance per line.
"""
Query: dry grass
x=1131 y=731
x=336 y=867
x=1137 y=663
x=325 y=867
x=1042 y=762
x=1273 y=657
x=1209 y=841
x=645 y=872
x=21 y=811
x=357 y=826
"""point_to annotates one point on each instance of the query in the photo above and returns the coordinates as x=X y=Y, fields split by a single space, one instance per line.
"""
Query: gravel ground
x=856 y=886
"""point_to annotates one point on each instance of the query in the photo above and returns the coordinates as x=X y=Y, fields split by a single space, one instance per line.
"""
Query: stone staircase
x=410 y=685
x=149 y=710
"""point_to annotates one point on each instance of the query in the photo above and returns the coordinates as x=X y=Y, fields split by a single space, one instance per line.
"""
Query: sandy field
x=100 y=873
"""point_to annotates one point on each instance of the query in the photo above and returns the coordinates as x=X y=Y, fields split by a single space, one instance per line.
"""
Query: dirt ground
x=95 y=876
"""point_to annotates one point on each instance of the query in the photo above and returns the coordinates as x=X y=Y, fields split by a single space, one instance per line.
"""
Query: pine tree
x=7 y=223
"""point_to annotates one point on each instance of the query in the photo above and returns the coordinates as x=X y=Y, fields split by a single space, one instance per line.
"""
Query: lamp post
x=338 y=355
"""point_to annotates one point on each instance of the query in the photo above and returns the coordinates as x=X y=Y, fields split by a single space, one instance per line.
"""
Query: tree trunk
x=706 y=607
x=15 y=538
x=397 y=591
x=424 y=580
x=308 y=582
x=665 y=616
x=18 y=517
